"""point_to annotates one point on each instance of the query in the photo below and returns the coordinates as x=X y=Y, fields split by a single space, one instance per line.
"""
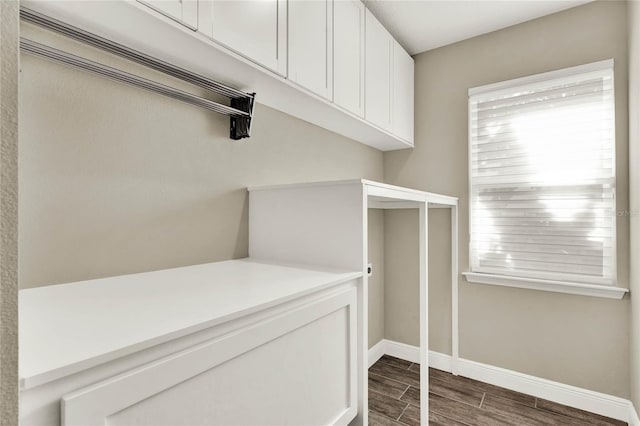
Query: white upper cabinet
x=327 y=62
x=402 y=93
x=310 y=43
x=184 y=11
x=257 y=29
x=378 y=75
x=348 y=55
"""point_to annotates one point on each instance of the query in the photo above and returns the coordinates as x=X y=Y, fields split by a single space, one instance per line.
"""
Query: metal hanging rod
x=242 y=103
x=124 y=77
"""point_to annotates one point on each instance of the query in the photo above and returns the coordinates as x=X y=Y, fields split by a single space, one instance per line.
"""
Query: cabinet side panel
x=317 y=225
x=403 y=93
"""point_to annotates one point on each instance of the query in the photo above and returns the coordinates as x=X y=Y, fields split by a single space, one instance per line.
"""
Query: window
x=542 y=177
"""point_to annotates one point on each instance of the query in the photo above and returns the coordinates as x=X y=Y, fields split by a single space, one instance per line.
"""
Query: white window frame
x=587 y=289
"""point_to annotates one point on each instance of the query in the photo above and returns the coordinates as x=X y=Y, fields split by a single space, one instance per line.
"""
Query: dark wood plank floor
x=394 y=400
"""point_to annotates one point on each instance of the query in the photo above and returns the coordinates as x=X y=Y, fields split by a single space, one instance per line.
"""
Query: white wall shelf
x=325 y=223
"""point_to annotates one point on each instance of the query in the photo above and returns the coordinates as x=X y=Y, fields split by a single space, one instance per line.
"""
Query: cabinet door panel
x=254 y=28
x=309 y=45
x=379 y=52
x=184 y=11
x=348 y=55
x=403 y=93
x=297 y=367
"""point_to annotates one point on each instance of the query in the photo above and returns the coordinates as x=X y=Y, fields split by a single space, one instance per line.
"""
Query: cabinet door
x=403 y=83
x=256 y=29
x=183 y=11
x=297 y=367
x=348 y=55
x=379 y=52
x=310 y=45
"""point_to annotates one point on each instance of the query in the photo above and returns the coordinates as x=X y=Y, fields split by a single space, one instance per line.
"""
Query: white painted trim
x=593 y=290
x=584 y=399
x=634 y=419
x=403 y=351
x=375 y=189
x=409 y=353
x=375 y=204
x=536 y=78
x=441 y=361
x=376 y=352
x=455 y=332
x=424 y=312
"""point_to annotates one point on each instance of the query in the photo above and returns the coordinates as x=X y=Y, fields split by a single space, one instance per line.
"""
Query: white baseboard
x=584 y=399
x=376 y=352
x=440 y=361
x=408 y=353
x=402 y=350
x=634 y=419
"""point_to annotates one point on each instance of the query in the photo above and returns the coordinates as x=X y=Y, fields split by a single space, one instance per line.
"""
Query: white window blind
x=542 y=176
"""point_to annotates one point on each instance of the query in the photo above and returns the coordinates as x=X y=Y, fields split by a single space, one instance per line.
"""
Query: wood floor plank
x=412 y=396
x=411 y=416
x=464 y=382
x=436 y=419
x=396 y=362
x=465 y=413
x=591 y=418
x=404 y=376
x=394 y=399
x=376 y=419
x=520 y=414
x=386 y=386
x=454 y=391
x=385 y=405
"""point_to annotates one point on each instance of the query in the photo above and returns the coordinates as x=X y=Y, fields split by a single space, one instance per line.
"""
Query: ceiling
x=421 y=25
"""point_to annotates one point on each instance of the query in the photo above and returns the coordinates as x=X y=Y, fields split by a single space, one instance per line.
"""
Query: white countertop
x=70 y=327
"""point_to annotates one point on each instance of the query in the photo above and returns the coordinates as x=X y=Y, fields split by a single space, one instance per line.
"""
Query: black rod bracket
x=240 y=126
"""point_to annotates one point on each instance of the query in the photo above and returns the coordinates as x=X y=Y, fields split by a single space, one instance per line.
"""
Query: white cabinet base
x=281 y=348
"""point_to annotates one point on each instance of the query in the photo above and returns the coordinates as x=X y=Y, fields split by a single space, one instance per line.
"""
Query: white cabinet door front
x=403 y=83
x=310 y=45
x=184 y=11
x=297 y=367
x=348 y=55
x=254 y=28
x=379 y=53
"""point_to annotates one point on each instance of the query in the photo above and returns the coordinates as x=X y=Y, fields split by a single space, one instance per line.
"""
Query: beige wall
x=117 y=180
x=402 y=296
x=571 y=339
x=9 y=33
x=634 y=190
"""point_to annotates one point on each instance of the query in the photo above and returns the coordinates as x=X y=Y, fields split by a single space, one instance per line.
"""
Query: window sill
x=609 y=292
